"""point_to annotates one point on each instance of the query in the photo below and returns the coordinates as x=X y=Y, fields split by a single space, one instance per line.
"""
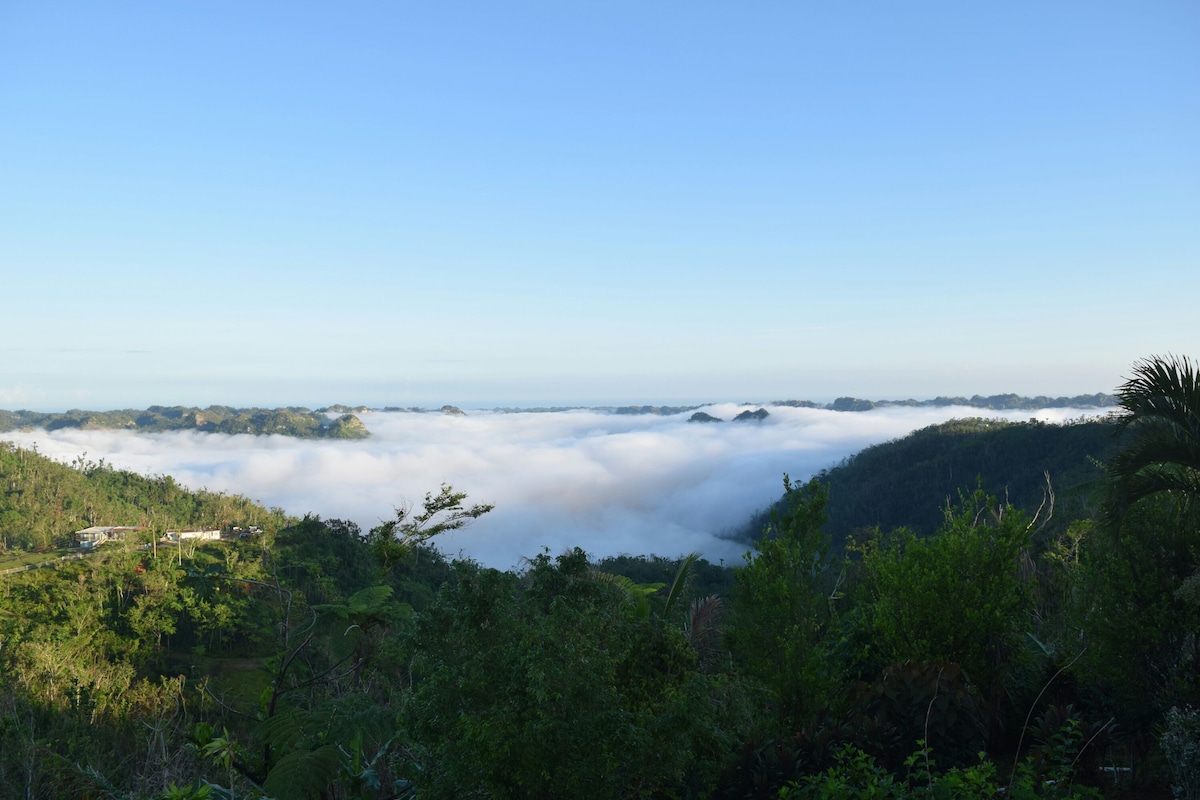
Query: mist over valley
x=608 y=482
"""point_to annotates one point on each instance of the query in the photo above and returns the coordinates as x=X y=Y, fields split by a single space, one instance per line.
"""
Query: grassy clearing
x=13 y=560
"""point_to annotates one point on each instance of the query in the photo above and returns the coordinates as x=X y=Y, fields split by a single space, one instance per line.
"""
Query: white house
x=93 y=537
x=183 y=536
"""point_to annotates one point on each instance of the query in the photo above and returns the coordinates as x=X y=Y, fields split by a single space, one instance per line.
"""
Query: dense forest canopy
x=910 y=481
x=1000 y=651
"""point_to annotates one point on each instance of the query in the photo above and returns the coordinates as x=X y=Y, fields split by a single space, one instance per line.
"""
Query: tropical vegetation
x=1032 y=645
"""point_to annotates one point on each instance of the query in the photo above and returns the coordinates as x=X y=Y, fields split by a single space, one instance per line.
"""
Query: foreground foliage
x=997 y=656
x=509 y=670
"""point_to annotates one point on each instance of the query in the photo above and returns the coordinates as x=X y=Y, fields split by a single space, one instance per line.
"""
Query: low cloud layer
x=608 y=483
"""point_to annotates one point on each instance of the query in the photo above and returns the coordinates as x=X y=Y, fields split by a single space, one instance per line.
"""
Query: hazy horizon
x=529 y=405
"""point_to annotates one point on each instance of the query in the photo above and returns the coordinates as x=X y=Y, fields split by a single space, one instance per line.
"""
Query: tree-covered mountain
x=293 y=421
x=910 y=481
x=42 y=501
x=996 y=402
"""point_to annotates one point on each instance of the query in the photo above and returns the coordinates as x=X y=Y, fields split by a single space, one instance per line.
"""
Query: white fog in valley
x=609 y=483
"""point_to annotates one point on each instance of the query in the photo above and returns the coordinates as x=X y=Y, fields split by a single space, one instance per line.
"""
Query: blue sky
x=527 y=203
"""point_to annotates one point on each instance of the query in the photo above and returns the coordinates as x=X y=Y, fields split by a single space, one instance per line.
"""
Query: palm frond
x=303 y=774
x=637 y=595
x=1159 y=423
x=683 y=578
x=703 y=628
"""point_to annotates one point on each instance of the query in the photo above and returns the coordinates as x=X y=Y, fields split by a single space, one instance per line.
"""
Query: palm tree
x=1160 y=424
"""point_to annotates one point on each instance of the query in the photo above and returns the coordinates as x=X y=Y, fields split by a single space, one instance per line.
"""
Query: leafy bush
x=955 y=598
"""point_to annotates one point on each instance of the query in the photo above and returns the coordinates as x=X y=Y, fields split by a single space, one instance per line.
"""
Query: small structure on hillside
x=93 y=537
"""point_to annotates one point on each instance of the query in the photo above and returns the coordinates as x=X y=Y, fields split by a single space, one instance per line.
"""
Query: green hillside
x=42 y=501
x=908 y=482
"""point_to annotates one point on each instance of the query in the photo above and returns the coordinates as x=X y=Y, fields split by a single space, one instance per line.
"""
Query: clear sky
x=527 y=203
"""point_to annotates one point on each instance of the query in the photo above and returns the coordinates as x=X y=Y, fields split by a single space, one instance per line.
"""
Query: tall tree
x=783 y=606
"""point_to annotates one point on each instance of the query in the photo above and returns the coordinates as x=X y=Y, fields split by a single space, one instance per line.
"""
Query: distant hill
x=42 y=501
x=996 y=402
x=302 y=423
x=908 y=482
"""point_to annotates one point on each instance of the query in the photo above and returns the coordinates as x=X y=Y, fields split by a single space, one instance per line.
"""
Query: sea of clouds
x=609 y=483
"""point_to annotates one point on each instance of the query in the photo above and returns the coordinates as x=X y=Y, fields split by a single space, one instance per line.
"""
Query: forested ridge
x=342 y=421
x=908 y=482
x=1007 y=652
x=294 y=421
x=996 y=402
